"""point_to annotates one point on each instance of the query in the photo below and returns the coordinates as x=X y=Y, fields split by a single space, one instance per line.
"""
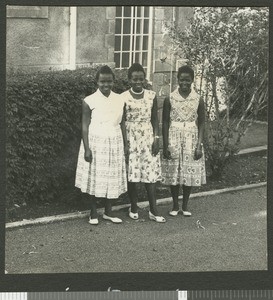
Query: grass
x=255 y=136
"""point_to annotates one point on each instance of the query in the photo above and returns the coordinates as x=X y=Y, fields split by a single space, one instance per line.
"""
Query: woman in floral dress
x=101 y=169
x=183 y=130
x=143 y=141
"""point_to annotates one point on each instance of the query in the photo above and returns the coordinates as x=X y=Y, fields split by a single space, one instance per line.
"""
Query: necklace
x=137 y=93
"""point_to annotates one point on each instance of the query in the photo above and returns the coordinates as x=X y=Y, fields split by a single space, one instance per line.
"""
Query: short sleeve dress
x=183 y=137
x=105 y=176
x=142 y=166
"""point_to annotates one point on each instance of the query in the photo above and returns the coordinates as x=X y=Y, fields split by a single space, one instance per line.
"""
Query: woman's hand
x=155 y=146
x=88 y=155
x=166 y=153
x=198 y=152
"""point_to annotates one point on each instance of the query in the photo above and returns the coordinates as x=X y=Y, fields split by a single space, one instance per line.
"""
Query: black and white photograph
x=136 y=139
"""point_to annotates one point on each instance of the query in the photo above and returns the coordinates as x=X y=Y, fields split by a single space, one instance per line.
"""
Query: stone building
x=57 y=38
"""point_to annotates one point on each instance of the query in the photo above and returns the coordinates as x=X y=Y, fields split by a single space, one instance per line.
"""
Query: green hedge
x=43 y=115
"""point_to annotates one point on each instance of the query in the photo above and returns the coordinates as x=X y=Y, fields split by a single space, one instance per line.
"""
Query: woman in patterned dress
x=183 y=130
x=143 y=141
x=101 y=169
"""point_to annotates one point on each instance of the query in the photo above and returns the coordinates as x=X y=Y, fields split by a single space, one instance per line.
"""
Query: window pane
x=126 y=43
x=146 y=11
x=145 y=43
x=125 y=60
x=138 y=27
x=117 y=59
x=118 y=26
x=144 y=59
x=137 y=58
x=139 y=11
x=127 y=11
x=126 y=26
x=146 y=26
x=138 y=43
x=117 y=43
x=118 y=11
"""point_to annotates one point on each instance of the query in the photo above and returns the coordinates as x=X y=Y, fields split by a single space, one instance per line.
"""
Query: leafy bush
x=229 y=48
x=43 y=115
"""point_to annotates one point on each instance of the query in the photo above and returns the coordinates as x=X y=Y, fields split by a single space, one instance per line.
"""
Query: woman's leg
x=150 y=188
x=93 y=207
x=132 y=193
x=175 y=194
x=108 y=212
x=186 y=196
x=108 y=207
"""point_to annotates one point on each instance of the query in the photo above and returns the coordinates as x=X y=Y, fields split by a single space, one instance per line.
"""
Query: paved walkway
x=234 y=238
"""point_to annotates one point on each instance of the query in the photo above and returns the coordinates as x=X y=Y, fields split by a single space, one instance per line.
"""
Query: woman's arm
x=165 y=127
x=201 y=128
x=155 y=124
x=124 y=134
x=86 y=119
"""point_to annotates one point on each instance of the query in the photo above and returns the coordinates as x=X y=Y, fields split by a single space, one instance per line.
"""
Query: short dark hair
x=135 y=67
x=185 y=69
x=104 y=70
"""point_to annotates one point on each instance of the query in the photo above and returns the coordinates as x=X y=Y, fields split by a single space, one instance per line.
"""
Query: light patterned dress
x=142 y=166
x=183 y=137
x=105 y=176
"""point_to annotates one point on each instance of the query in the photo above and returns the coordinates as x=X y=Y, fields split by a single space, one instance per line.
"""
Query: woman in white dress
x=101 y=169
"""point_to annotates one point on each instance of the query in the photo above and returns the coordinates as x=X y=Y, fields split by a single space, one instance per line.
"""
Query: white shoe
x=186 y=213
x=93 y=221
x=158 y=219
x=174 y=213
x=114 y=220
x=132 y=215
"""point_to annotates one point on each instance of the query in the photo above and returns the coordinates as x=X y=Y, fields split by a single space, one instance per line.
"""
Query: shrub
x=43 y=115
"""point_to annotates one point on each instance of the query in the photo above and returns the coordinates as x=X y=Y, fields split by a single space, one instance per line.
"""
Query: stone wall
x=95 y=35
x=38 y=43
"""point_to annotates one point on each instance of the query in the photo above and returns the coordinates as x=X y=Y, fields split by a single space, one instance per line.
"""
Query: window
x=133 y=33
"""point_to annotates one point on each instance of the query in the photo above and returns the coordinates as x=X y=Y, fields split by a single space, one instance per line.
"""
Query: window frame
x=133 y=51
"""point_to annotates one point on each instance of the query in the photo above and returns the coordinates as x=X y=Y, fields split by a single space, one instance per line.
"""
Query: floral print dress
x=142 y=165
x=183 y=137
